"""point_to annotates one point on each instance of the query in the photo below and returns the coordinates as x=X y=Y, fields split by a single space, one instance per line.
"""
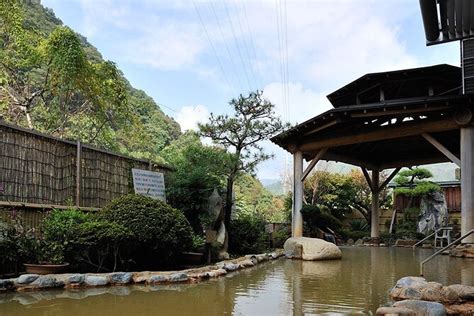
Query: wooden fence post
x=78 y=173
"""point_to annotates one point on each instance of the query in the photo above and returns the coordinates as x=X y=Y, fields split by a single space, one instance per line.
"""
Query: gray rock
x=433 y=213
x=423 y=307
x=6 y=284
x=359 y=242
x=464 y=292
x=178 y=277
x=120 y=277
x=158 y=278
x=96 y=280
x=311 y=249
x=27 y=278
x=395 y=311
x=47 y=282
x=350 y=242
x=76 y=278
x=411 y=281
x=231 y=267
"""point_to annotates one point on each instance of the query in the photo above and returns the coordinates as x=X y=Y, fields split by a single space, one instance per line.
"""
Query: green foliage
x=253 y=121
x=157 y=230
x=53 y=80
x=198 y=243
x=280 y=235
x=247 y=235
x=253 y=198
x=314 y=218
x=359 y=225
x=412 y=182
x=199 y=169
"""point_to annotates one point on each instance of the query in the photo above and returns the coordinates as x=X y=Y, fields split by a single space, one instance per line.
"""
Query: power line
x=212 y=45
x=253 y=45
x=286 y=61
x=247 y=50
x=280 y=51
x=226 y=46
x=237 y=45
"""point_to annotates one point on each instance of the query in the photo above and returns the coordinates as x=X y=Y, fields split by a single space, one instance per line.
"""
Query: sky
x=193 y=57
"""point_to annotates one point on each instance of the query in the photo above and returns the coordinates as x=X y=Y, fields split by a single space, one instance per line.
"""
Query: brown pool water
x=357 y=284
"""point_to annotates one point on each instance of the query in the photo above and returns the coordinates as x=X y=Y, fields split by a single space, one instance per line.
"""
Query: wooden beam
x=380 y=133
x=45 y=206
x=390 y=177
x=349 y=160
x=321 y=127
x=367 y=177
x=413 y=162
x=442 y=148
x=420 y=111
x=313 y=163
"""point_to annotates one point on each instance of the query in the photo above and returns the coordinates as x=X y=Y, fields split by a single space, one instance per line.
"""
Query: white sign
x=149 y=183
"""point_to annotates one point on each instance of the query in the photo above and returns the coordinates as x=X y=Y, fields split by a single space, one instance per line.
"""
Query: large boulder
x=433 y=213
x=311 y=249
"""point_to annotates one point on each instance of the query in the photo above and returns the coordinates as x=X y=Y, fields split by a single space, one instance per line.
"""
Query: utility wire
x=237 y=45
x=226 y=46
x=253 y=45
x=247 y=50
x=213 y=48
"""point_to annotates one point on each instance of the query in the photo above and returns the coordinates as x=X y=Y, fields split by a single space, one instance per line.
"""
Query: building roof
x=386 y=132
x=439 y=80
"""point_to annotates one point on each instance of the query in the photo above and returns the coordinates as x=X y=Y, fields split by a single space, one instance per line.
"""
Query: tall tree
x=253 y=121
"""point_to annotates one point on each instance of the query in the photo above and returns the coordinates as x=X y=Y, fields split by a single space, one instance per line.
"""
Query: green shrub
x=247 y=235
x=358 y=225
x=354 y=235
x=158 y=232
x=315 y=218
x=82 y=239
x=280 y=235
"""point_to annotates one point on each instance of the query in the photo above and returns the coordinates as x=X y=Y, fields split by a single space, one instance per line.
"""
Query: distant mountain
x=274 y=186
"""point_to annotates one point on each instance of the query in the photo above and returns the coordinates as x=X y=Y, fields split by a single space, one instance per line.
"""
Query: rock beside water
x=311 y=249
x=423 y=307
x=27 y=278
x=96 y=280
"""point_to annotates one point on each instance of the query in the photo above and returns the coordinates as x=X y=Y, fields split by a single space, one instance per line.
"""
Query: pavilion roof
x=387 y=133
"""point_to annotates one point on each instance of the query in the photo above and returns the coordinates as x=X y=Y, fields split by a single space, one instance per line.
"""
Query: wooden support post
x=445 y=151
x=78 y=173
x=390 y=177
x=467 y=182
x=313 y=163
x=374 y=226
x=297 y=218
x=367 y=178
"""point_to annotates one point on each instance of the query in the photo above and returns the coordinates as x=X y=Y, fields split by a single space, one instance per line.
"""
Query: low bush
x=280 y=235
x=315 y=218
x=247 y=235
x=354 y=235
x=158 y=232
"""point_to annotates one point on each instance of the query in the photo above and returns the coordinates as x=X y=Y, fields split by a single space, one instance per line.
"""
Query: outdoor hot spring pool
x=358 y=283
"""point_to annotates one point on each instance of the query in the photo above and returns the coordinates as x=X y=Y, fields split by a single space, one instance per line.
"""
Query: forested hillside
x=54 y=81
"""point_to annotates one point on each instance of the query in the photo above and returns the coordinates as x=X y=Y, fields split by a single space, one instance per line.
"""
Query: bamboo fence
x=41 y=171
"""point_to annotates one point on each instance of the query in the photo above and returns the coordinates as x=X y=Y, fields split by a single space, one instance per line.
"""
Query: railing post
x=78 y=172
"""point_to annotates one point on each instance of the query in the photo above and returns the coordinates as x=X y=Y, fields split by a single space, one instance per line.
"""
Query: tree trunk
x=228 y=202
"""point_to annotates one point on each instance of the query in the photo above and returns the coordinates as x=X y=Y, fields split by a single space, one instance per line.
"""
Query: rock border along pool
x=36 y=282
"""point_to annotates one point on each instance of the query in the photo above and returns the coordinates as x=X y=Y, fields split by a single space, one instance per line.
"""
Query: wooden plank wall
x=36 y=168
x=451 y=193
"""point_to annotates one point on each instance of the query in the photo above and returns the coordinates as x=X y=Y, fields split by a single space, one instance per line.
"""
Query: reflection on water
x=357 y=284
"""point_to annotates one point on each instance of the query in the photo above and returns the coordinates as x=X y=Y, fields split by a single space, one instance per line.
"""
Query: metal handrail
x=443 y=249
x=431 y=235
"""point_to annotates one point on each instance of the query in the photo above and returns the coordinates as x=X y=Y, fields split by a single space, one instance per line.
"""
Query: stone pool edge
x=35 y=282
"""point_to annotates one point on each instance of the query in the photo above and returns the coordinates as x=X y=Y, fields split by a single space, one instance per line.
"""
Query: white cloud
x=189 y=116
x=304 y=103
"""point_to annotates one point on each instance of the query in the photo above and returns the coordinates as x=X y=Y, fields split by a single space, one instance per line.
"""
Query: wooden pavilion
x=389 y=120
